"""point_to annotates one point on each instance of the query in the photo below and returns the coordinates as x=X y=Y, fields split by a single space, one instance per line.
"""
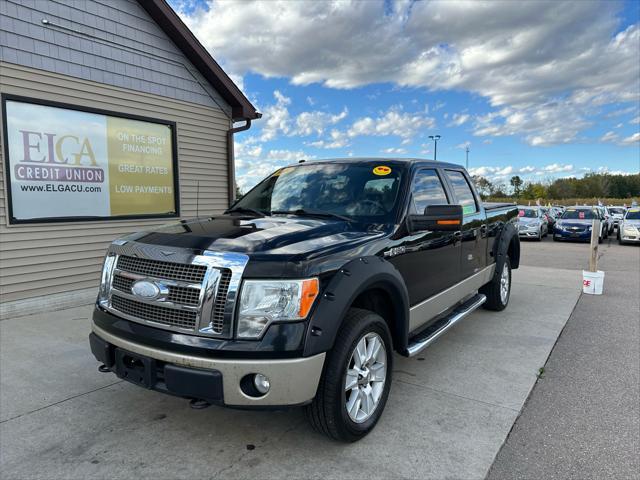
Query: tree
x=516 y=183
x=484 y=186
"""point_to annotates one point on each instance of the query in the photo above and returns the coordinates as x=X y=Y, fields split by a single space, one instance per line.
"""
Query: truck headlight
x=263 y=302
x=105 y=279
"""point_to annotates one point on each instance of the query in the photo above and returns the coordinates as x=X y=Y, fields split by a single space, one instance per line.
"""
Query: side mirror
x=437 y=218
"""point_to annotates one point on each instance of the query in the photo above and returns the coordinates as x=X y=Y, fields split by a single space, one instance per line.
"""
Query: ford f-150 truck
x=301 y=292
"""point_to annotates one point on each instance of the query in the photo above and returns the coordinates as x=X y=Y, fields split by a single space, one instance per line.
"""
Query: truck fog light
x=262 y=383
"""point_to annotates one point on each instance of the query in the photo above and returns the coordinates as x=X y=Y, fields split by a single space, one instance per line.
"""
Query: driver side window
x=427 y=190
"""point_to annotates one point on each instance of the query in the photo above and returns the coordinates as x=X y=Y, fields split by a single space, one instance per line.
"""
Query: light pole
x=435 y=139
x=467 y=161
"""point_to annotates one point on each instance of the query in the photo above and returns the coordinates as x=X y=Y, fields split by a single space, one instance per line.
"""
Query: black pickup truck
x=302 y=290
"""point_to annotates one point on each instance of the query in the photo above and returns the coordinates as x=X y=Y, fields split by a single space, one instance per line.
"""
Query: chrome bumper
x=293 y=381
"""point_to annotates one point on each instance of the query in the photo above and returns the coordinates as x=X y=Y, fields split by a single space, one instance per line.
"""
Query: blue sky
x=538 y=89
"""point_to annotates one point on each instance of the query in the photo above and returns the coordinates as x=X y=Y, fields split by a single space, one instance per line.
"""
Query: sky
x=533 y=88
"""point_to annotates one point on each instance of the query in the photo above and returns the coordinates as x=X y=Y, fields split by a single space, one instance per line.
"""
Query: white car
x=617 y=213
x=629 y=229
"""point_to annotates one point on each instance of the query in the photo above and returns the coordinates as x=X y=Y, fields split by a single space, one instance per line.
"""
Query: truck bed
x=497 y=205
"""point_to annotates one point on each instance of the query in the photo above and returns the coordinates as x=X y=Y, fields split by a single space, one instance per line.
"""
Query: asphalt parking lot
x=450 y=412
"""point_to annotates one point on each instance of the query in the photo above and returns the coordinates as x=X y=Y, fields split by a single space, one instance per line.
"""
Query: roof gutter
x=231 y=157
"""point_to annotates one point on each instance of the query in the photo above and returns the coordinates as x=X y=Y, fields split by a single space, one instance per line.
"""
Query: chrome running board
x=423 y=340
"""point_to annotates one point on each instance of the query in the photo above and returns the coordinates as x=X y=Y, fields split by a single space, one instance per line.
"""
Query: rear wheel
x=498 y=290
x=355 y=384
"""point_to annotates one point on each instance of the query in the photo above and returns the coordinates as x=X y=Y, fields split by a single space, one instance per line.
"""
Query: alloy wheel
x=504 y=284
x=365 y=378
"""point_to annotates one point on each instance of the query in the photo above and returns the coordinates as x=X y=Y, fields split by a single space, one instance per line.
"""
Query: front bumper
x=529 y=233
x=584 y=236
x=294 y=381
x=630 y=237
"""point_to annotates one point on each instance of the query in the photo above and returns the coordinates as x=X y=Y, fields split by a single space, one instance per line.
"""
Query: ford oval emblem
x=145 y=289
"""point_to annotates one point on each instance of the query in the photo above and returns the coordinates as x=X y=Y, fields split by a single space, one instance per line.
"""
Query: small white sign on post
x=593 y=279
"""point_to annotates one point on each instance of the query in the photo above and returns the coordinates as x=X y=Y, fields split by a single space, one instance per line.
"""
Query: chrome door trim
x=430 y=308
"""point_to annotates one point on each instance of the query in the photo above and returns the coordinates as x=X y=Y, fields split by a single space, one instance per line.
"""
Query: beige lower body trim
x=434 y=306
x=293 y=381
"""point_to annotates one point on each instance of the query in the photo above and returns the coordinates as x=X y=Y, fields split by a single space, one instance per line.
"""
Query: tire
x=493 y=290
x=539 y=237
x=328 y=413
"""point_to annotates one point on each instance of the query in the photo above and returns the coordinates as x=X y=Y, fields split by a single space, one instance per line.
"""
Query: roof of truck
x=423 y=161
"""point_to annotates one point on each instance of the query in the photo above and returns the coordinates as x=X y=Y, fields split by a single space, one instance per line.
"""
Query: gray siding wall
x=114 y=42
x=53 y=259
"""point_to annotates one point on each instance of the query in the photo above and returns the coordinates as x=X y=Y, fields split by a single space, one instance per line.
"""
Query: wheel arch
x=369 y=282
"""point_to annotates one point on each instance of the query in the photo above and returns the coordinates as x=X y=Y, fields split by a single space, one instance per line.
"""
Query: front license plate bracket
x=135 y=368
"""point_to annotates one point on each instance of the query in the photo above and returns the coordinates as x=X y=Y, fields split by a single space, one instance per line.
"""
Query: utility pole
x=467 y=161
x=435 y=139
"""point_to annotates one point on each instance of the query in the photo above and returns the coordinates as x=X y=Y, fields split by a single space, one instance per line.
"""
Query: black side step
x=431 y=334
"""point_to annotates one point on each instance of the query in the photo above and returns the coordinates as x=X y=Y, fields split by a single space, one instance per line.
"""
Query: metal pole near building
x=466 y=165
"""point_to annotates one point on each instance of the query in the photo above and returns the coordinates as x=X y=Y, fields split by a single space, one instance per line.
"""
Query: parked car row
x=574 y=223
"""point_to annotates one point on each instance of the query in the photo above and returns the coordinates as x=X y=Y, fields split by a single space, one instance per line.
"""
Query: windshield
x=363 y=192
x=527 y=213
x=575 y=214
x=633 y=214
x=617 y=211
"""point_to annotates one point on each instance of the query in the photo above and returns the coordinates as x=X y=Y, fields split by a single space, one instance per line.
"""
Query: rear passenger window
x=427 y=190
x=463 y=192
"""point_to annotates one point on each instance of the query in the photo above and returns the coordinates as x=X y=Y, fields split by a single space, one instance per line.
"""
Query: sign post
x=595 y=236
x=593 y=279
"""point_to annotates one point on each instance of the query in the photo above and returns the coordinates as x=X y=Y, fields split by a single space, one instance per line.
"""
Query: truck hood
x=277 y=235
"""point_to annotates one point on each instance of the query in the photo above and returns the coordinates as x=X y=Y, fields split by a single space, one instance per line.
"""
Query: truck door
x=473 y=251
x=429 y=262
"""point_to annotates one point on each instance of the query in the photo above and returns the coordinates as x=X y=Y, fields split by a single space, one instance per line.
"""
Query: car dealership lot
x=451 y=408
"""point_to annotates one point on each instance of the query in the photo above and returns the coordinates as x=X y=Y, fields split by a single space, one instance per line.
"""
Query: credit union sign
x=71 y=164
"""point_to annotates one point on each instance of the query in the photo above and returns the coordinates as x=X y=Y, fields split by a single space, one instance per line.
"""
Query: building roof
x=174 y=27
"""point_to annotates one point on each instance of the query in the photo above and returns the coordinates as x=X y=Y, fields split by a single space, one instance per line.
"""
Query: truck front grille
x=153 y=313
x=189 y=293
x=217 y=317
x=160 y=269
x=181 y=295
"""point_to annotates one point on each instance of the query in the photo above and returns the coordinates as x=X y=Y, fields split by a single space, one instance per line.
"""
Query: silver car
x=532 y=223
x=629 y=228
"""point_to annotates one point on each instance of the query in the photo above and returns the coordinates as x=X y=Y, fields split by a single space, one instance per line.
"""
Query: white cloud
x=252 y=170
x=609 y=137
x=635 y=120
x=635 y=138
x=459 y=119
x=276 y=118
x=559 y=60
x=279 y=121
x=557 y=168
x=393 y=122
x=308 y=123
x=528 y=171
x=394 y=151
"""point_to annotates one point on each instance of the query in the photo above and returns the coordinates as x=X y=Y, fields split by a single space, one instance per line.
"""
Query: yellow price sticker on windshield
x=382 y=170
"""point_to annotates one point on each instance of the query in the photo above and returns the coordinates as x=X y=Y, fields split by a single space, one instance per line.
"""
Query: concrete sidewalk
x=449 y=412
x=582 y=419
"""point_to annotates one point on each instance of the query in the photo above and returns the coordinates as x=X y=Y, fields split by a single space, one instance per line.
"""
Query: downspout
x=231 y=159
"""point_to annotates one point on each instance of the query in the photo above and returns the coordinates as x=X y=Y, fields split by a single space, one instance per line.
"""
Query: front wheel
x=355 y=383
x=498 y=290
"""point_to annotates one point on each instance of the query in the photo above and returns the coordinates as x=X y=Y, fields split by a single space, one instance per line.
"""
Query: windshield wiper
x=257 y=213
x=302 y=212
